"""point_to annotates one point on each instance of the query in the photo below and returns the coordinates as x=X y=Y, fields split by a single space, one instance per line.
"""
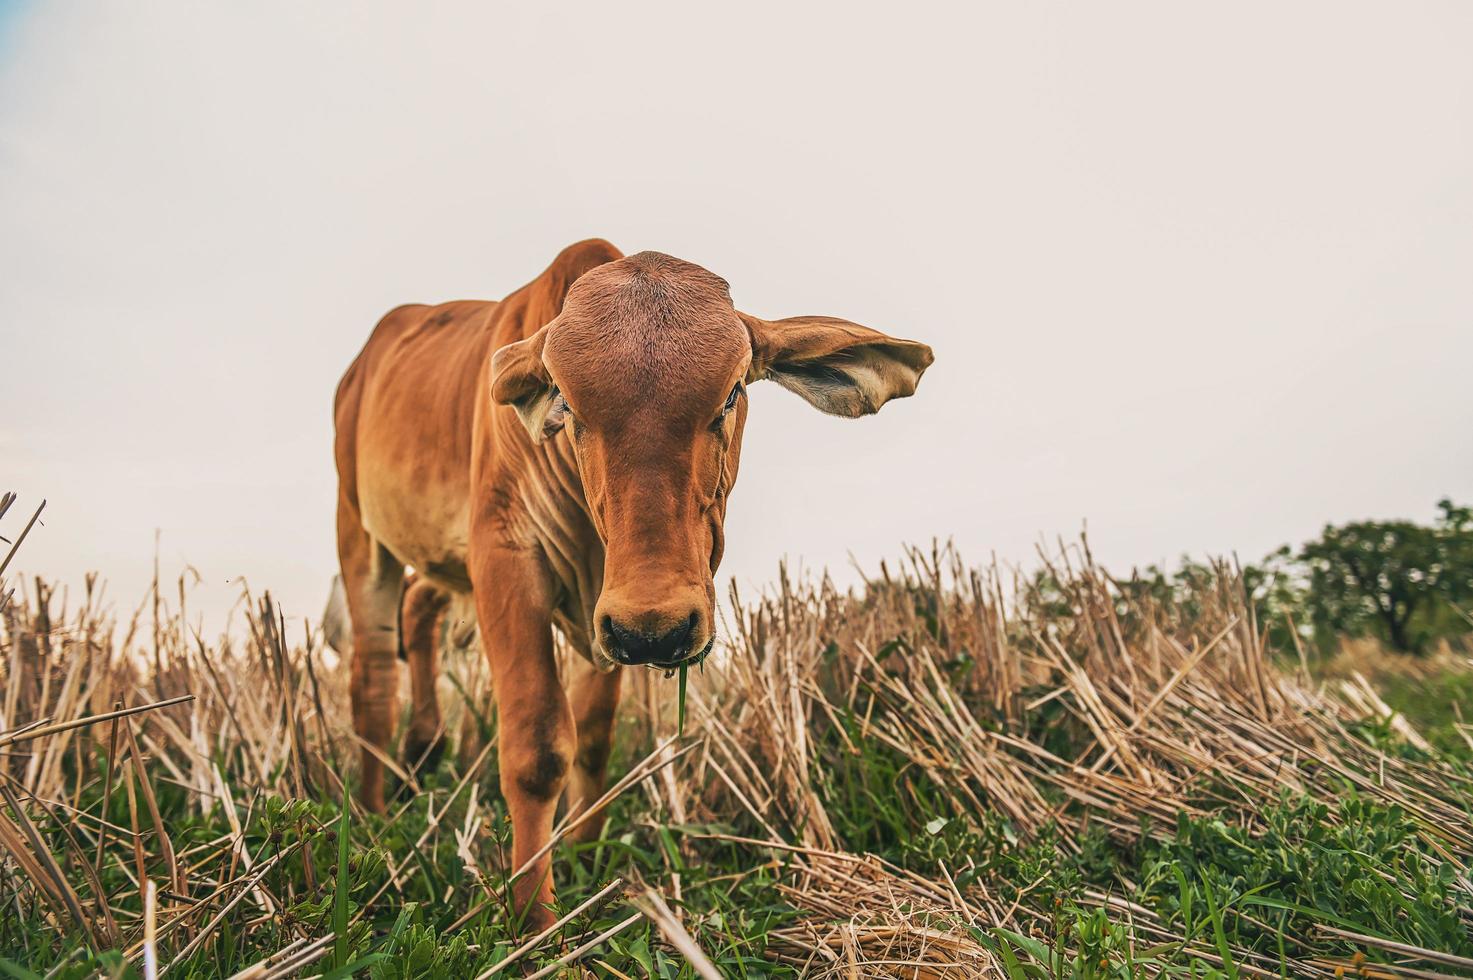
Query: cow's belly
x=426 y=526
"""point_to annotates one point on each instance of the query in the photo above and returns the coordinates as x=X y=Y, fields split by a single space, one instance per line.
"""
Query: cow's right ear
x=520 y=379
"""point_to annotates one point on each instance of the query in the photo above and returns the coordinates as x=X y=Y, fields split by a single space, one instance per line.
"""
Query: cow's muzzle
x=634 y=647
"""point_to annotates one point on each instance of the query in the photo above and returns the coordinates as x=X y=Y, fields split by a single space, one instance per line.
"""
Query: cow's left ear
x=839 y=367
x=520 y=379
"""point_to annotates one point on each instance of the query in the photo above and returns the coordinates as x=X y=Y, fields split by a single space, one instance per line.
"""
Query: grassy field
x=952 y=774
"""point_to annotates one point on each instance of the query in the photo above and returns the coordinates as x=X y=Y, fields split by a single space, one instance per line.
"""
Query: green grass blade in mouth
x=684 y=669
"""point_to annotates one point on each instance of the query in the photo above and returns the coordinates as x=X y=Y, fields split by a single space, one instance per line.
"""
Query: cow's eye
x=562 y=408
x=731 y=400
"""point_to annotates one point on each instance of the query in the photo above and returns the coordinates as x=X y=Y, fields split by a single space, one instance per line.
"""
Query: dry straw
x=944 y=665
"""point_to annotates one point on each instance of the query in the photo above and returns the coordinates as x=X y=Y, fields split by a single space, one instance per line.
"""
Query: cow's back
x=409 y=410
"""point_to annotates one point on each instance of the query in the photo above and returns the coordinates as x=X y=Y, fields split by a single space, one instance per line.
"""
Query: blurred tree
x=1405 y=583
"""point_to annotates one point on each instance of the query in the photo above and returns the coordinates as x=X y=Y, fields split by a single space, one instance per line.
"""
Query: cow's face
x=646 y=369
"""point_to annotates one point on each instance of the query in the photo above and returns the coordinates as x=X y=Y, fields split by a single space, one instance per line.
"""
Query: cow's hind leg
x=422 y=613
x=594 y=698
x=373 y=581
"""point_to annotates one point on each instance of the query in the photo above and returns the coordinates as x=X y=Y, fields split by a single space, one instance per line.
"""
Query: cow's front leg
x=535 y=726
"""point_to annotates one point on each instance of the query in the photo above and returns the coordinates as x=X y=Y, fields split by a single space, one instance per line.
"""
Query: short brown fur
x=564 y=458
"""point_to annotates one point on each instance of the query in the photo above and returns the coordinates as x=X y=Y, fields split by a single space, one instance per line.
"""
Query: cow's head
x=647 y=368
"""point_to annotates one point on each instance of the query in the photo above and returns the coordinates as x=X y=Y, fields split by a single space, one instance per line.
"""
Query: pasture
x=483 y=308
x=956 y=773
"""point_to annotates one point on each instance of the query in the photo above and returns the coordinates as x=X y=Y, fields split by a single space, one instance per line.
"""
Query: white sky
x=1201 y=277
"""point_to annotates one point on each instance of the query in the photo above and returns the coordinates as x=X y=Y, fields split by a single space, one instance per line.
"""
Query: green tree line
x=1406 y=584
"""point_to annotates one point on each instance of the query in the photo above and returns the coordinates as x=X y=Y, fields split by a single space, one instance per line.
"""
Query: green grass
x=1435 y=705
x=406 y=935
x=1298 y=835
x=1217 y=887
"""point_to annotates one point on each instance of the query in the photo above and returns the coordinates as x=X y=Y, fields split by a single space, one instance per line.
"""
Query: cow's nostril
x=631 y=647
x=680 y=635
x=618 y=633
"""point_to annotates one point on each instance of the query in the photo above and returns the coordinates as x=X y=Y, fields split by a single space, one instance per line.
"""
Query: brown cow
x=564 y=456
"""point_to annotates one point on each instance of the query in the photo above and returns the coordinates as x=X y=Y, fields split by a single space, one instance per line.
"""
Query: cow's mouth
x=673 y=665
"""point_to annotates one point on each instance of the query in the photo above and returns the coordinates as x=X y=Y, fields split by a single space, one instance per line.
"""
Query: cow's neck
x=564 y=528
